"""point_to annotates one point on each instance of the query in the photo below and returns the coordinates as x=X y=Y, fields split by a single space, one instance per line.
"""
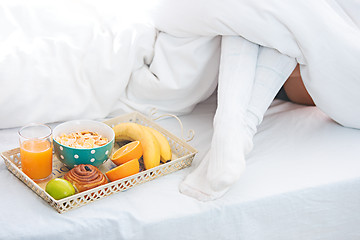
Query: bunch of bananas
x=156 y=147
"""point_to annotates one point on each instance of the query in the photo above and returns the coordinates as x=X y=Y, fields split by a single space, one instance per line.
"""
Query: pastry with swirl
x=85 y=176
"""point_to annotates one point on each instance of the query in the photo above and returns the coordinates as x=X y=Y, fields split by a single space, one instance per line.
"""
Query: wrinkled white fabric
x=66 y=60
x=80 y=55
x=323 y=36
x=92 y=59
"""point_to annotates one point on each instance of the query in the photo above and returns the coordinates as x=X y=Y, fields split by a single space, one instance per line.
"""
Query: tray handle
x=191 y=132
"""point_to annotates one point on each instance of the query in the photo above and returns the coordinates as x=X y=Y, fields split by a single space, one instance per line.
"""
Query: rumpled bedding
x=74 y=59
x=93 y=59
x=63 y=60
x=323 y=36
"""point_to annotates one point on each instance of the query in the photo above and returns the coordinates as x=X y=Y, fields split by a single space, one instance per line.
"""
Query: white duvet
x=74 y=59
x=91 y=59
x=64 y=60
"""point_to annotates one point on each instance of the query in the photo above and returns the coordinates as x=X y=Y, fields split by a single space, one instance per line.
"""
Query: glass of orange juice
x=36 y=151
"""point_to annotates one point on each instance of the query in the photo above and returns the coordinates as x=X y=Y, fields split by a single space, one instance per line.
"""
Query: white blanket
x=323 y=36
x=74 y=59
x=63 y=60
x=91 y=59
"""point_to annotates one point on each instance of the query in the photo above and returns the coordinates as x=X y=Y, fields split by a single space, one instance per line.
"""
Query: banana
x=136 y=132
x=165 y=150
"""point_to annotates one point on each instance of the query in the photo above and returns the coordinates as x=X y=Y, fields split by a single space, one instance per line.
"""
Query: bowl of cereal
x=83 y=142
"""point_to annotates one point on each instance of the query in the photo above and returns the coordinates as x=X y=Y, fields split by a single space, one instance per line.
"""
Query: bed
x=302 y=178
x=301 y=184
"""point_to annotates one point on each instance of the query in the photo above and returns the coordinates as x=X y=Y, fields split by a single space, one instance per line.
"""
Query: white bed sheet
x=302 y=182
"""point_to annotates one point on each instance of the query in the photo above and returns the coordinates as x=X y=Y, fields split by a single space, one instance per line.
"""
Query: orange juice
x=36 y=158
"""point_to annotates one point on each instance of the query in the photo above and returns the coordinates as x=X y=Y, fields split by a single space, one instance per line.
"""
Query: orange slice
x=127 y=152
x=124 y=170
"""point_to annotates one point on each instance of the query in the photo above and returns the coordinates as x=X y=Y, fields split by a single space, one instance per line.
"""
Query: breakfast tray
x=183 y=155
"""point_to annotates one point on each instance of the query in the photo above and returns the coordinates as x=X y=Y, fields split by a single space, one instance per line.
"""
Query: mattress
x=302 y=181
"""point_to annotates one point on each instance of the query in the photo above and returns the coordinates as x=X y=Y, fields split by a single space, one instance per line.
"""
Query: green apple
x=59 y=188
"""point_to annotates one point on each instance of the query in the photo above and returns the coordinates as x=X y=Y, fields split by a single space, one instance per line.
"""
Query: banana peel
x=156 y=147
x=165 y=149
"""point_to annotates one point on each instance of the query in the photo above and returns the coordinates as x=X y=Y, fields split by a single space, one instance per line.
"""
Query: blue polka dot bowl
x=72 y=156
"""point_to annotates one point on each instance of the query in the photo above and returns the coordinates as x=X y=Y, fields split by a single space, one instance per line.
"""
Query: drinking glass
x=36 y=151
